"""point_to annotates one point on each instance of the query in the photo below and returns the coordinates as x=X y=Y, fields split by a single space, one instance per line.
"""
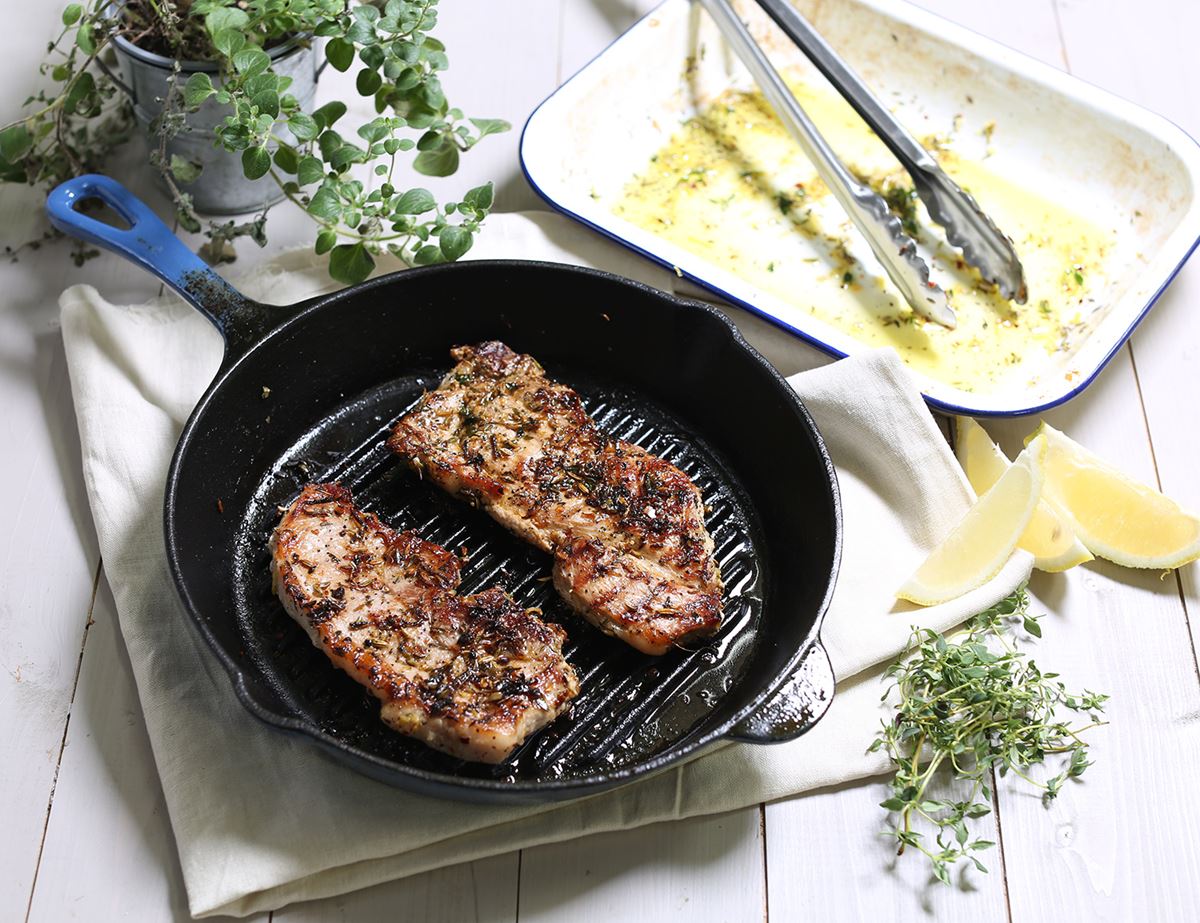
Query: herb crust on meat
x=626 y=528
x=472 y=676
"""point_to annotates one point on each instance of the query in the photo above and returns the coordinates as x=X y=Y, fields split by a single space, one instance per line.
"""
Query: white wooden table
x=85 y=832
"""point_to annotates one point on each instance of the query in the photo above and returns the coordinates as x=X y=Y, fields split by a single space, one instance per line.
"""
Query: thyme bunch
x=974 y=706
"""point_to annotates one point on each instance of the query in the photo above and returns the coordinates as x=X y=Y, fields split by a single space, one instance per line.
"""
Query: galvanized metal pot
x=221 y=188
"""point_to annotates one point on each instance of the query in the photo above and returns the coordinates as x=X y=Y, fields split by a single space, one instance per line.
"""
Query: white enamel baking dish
x=1115 y=163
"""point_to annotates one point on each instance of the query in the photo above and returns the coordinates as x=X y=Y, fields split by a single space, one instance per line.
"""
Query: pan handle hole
x=99 y=210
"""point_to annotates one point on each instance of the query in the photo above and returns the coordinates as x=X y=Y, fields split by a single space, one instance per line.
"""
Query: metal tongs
x=983 y=245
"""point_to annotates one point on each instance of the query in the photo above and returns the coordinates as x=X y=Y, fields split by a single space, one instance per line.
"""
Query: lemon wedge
x=1048 y=538
x=1116 y=517
x=983 y=541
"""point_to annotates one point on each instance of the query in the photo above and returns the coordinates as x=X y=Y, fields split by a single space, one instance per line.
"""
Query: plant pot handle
x=795 y=706
x=149 y=243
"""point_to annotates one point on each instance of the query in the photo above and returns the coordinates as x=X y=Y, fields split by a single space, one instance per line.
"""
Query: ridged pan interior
x=631 y=706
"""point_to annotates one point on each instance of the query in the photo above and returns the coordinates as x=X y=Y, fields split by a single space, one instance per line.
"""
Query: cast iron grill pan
x=308 y=392
x=630 y=707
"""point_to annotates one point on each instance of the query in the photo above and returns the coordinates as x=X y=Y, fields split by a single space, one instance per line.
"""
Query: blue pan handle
x=150 y=244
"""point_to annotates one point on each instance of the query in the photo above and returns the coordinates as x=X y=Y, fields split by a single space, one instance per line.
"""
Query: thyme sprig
x=973 y=706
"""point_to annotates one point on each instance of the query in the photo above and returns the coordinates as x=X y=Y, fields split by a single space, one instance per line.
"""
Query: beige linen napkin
x=262 y=820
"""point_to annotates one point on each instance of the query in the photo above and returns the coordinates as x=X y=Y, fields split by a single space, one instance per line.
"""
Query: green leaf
x=310 y=170
x=441 y=161
x=373 y=56
x=340 y=54
x=15 y=142
x=490 y=126
x=304 y=127
x=184 y=170
x=329 y=142
x=255 y=162
x=415 y=202
x=71 y=14
x=480 y=198
x=325 y=205
x=431 y=140
x=368 y=82
x=432 y=93
x=326 y=238
x=188 y=220
x=428 y=255
x=346 y=155
x=251 y=61
x=329 y=113
x=80 y=89
x=198 y=88
x=84 y=39
x=360 y=33
x=267 y=102
x=350 y=263
x=228 y=42
x=286 y=159
x=1032 y=626
x=454 y=241
x=226 y=17
x=374 y=130
x=407 y=78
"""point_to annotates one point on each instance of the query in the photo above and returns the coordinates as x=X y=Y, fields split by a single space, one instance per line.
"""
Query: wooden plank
x=707 y=868
x=589 y=27
x=48 y=554
x=1097 y=853
x=109 y=852
x=1158 y=71
x=48 y=562
x=1103 y=851
x=827 y=860
x=481 y=892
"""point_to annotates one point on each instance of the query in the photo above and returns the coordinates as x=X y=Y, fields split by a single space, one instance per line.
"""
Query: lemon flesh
x=985 y=539
x=1048 y=538
x=1116 y=517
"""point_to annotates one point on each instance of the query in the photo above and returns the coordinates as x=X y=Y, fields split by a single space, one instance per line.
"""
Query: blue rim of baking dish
x=936 y=403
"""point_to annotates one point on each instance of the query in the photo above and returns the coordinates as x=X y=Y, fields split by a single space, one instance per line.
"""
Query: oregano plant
x=344 y=176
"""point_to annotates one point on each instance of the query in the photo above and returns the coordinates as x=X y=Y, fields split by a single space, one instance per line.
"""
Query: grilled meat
x=472 y=676
x=626 y=528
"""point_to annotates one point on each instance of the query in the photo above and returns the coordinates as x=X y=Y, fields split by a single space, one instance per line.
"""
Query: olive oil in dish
x=731 y=186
